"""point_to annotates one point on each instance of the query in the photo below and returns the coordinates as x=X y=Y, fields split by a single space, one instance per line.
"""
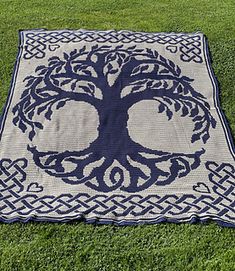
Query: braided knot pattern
x=223 y=178
x=189 y=45
x=12 y=176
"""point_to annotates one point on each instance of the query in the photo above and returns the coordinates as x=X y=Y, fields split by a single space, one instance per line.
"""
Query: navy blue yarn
x=164 y=83
x=124 y=222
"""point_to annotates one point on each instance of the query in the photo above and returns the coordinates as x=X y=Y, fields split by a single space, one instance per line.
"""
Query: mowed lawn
x=79 y=246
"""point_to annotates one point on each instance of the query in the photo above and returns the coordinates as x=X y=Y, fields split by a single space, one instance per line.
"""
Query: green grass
x=77 y=246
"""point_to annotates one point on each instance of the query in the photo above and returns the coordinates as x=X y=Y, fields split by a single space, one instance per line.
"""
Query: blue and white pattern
x=188 y=45
x=115 y=127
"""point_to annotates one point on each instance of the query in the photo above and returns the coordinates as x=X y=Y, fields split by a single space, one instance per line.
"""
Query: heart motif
x=201 y=187
x=171 y=48
x=53 y=47
x=34 y=187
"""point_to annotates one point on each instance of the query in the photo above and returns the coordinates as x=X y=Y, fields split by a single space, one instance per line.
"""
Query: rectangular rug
x=115 y=127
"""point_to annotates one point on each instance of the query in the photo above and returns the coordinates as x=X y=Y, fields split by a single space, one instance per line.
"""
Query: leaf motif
x=207 y=105
x=162 y=59
x=87 y=89
x=167 y=100
x=158 y=84
x=31 y=114
x=149 y=51
x=38 y=125
x=163 y=71
x=58 y=69
x=54 y=58
x=197 y=94
x=186 y=90
x=73 y=86
x=53 y=62
x=113 y=71
x=144 y=68
x=195 y=137
x=197 y=118
x=119 y=47
x=198 y=126
x=169 y=114
x=185 y=78
x=177 y=106
x=56 y=82
x=67 y=81
x=45 y=94
x=28 y=77
x=103 y=47
x=48 y=114
x=77 y=67
x=119 y=61
x=205 y=137
x=25 y=93
x=92 y=87
x=29 y=83
x=109 y=67
x=15 y=108
x=66 y=56
x=213 y=122
x=179 y=89
x=184 y=111
x=156 y=54
x=178 y=71
x=27 y=102
x=73 y=52
x=22 y=126
x=161 y=108
x=40 y=68
x=31 y=135
x=188 y=103
x=112 y=57
x=41 y=109
x=82 y=50
x=139 y=50
x=135 y=70
x=15 y=120
x=165 y=85
x=87 y=72
x=95 y=47
x=132 y=47
x=135 y=88
x=42 y=72
x=194 y=111
x=60 y=104
x=172 y=64
x=149 y=84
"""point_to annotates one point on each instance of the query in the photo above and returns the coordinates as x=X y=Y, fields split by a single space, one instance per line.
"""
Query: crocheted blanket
x=115 y=127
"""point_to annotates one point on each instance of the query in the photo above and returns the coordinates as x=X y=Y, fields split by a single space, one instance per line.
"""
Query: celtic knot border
x=12 y=175
x=15 y=202
x=189 y=45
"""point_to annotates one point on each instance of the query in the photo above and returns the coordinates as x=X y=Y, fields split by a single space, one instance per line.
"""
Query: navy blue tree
x=112 y=79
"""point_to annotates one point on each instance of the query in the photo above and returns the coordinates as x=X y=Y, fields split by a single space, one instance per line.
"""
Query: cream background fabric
x=75 y=126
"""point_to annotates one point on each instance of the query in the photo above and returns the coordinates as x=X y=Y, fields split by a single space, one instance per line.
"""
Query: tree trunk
x=113 y=140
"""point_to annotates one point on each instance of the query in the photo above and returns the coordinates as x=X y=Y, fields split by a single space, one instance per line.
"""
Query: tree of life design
x=112 y=79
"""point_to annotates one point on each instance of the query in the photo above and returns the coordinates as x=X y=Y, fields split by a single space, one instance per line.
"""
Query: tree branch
x=79 y=77
x=128 y=79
